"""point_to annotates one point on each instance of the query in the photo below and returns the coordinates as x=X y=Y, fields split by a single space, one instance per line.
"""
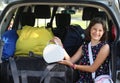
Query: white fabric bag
x=53 y=53
x=101 y=78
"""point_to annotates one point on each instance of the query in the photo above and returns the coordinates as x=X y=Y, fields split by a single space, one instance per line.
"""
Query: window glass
x=75 y=19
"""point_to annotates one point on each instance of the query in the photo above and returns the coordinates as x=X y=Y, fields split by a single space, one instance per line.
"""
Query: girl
x=96 y=33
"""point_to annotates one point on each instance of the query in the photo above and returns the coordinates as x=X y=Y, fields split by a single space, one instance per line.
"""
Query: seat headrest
x=27 y=18
x=63 y=19
x=42 y=11
x=101 y=14
x=88 y=13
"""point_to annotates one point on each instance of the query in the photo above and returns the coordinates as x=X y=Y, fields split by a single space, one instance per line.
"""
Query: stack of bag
x=21 y=42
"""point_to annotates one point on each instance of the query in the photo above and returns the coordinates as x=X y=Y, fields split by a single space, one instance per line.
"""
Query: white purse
x=101 y=78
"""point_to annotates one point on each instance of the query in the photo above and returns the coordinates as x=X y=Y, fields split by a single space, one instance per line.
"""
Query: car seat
x=69 y=34
x=62 y=21
x=27 y=17
x=88 y=13
x=42 y=12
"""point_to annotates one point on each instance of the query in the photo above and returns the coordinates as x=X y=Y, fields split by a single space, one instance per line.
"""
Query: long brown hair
x=92 y=23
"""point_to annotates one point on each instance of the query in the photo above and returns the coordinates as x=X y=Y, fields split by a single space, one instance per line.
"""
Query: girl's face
x=96 y=32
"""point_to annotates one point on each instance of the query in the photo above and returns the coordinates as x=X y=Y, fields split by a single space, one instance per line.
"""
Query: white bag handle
x=91 y=58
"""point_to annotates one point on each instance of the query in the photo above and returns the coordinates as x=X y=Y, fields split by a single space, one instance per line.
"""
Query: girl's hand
x=66 y=62
x=56 y=40
x=59 y=42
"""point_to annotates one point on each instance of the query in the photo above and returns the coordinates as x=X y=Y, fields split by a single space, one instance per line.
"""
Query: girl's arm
x=74 y=58
x=77 y=55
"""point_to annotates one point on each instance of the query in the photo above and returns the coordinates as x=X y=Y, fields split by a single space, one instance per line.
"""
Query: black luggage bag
x=35 y=70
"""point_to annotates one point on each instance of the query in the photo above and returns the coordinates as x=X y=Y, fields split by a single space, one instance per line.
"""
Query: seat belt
x=53 y=14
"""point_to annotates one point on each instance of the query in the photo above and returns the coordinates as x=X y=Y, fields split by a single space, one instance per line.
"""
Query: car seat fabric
x=88 y=13
x=42 y=11
x=27 y=18
x=9 y=37
x=62 y=21
x=32 y=39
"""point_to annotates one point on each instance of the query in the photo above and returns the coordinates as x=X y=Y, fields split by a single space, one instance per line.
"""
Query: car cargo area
x=32 y=24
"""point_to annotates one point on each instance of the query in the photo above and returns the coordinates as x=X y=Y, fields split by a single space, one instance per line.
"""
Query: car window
x=76 y=18
x=117 y=2
x=2 y=5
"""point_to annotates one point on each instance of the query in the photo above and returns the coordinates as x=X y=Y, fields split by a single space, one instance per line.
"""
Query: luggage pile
x=28 y=66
